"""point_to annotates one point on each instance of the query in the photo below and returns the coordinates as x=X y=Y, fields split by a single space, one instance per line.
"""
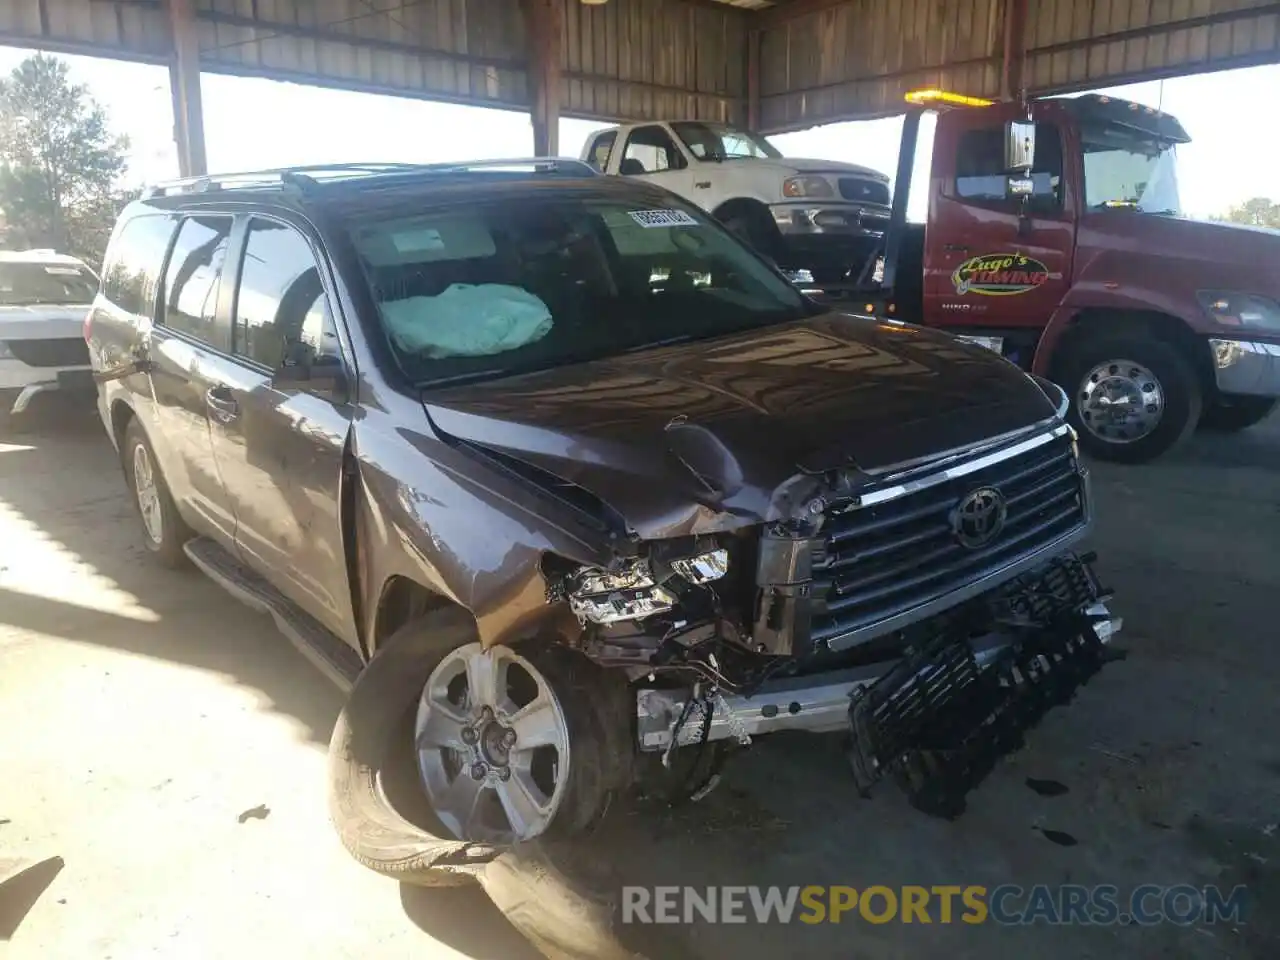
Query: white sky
x=252 y=123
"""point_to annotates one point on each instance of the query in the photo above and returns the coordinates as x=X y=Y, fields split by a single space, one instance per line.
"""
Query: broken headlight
x=632 y=593
x=604 y=596
x=704 y=567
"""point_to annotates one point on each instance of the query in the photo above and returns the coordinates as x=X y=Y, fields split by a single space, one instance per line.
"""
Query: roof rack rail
x=314 y=175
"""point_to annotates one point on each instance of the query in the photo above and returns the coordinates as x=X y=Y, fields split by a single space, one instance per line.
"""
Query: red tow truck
x=1055 y=236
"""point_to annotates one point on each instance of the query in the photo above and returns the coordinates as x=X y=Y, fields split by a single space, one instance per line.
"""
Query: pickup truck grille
x=864 y=191
x=885 y=559
x=64 y=352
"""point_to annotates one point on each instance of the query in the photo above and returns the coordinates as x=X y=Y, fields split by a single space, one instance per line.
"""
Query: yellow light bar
x=933 y=95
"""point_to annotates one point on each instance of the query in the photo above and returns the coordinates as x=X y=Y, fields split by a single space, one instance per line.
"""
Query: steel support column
x=184 y=87
x=542 y=20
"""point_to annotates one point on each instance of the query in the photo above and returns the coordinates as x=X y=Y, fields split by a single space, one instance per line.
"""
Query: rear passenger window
x=282 y=315
x=133 y=263
x=191 y=281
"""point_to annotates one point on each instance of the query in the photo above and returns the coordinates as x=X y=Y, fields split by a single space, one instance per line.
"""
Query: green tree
x=1258 y=212
x=60 y=165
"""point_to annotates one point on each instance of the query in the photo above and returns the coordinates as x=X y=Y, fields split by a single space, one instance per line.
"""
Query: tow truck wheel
x=1233 y=414
x=447 y=754
x=1134 y=397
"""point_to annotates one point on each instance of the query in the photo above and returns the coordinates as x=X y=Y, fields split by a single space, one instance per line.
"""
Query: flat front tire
x=164 y=532
x=1133 y=398
x=414 y=756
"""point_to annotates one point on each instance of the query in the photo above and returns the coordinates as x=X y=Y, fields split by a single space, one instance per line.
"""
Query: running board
x=327 y=653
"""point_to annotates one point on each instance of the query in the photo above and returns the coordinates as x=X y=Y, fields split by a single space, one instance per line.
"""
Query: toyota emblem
x=979 y=517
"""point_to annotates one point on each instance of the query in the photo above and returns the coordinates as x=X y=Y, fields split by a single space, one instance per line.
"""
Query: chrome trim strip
x=970 y=590
x=959 y=470
x=895 y=471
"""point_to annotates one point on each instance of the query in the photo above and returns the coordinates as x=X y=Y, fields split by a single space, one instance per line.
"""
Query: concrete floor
x=168 y=745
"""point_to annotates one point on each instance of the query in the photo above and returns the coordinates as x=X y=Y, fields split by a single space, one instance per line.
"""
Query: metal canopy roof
x=782 y=65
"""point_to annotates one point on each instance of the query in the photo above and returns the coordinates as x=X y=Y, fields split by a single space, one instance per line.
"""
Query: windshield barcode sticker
x=663 y=218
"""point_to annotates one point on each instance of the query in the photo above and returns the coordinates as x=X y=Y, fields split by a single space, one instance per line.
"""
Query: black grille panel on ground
x=864 y=191
x=885 y=559
x=67 y=352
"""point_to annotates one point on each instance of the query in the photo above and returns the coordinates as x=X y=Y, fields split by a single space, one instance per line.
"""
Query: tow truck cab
x=1055 y=235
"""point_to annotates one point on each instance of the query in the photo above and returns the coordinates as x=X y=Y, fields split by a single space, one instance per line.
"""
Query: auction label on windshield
x=999 y=275
x=662 y=218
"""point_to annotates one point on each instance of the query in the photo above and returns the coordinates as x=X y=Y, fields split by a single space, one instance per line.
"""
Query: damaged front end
x=933 y=613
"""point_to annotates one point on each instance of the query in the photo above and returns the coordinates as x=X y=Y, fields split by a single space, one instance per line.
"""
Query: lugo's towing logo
x=999 y=275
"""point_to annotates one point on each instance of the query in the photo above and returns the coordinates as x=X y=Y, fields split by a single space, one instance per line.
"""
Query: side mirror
x=315 y=375
x=1019 y=146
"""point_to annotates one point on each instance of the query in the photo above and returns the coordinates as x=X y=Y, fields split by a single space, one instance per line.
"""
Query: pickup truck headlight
x=807 y=187
x=1229 y=308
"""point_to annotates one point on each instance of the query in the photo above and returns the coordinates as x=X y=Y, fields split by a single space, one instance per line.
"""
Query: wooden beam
x=184 y=87
x=543 y=21
x=1014 y=49
x=753 y=79
x=776 y=16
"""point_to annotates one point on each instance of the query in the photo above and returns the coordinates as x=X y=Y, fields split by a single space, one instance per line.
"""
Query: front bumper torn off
x=937 y=719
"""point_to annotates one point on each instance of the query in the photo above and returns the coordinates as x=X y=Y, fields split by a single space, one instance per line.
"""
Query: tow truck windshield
x=1125 y=170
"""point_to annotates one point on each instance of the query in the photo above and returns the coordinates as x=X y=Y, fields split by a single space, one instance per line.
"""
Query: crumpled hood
x=42 y=322
x=680 y=439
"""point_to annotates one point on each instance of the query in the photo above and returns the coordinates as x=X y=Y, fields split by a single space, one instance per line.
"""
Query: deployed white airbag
x=467 y=321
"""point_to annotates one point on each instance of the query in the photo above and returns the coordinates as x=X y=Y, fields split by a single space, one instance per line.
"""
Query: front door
x=994 y=263
x=652 y=154
x=279 y=448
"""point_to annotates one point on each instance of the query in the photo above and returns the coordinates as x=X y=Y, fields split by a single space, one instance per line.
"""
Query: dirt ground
x=168 y=745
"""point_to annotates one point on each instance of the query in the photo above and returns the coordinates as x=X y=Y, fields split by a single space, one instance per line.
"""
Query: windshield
x=493 y=290
x=1125 y=169
x=714 y=141
x=28 y=284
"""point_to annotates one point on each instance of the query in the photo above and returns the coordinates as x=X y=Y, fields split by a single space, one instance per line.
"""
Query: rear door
x=989 y=261
x=193 y=326
x=280 y=448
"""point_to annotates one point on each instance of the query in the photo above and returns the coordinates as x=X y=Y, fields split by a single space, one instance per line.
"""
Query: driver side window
x=650 y=150
x=981 y=177
x=282 y=314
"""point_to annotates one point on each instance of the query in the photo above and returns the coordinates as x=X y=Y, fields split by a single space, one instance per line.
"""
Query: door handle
x=222 y=404
x=955 y=248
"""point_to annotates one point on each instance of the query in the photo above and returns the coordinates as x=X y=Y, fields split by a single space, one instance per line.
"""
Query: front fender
x=432 y=513
x=1100 y=295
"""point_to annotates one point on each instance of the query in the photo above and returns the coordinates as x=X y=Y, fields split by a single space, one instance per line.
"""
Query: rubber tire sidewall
x=174 y=530
x=755 y=233
x=1182 y=394
x=366 y=741
x=1241 y=414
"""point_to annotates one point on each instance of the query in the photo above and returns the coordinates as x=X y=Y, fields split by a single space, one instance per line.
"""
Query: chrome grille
x=885 y=559
x=864 y=191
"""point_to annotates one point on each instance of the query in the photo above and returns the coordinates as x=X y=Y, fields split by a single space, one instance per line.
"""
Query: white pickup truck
x=818 y=215
x=44 y=297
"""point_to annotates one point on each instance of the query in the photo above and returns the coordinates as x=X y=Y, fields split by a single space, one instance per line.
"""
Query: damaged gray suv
x=575 y=492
